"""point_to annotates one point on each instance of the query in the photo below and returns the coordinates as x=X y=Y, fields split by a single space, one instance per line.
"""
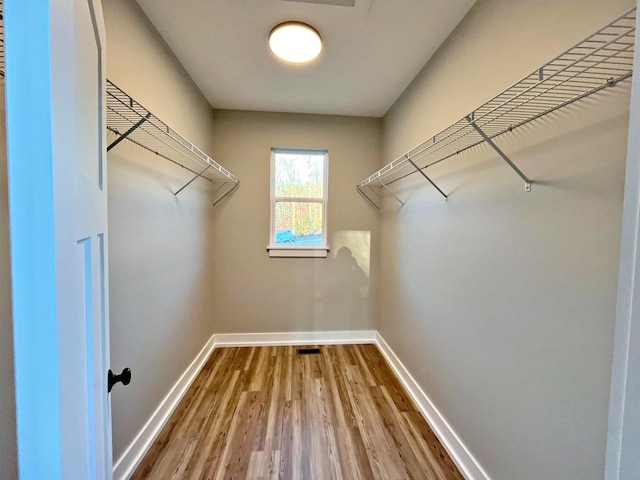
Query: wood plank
x=349 y=441
x=269 y=413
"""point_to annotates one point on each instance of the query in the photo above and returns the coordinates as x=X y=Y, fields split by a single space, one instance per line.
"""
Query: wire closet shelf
x=127 y=119
x=600 y=61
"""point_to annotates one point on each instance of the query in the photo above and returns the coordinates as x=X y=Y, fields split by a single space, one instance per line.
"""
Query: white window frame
x=291 y=250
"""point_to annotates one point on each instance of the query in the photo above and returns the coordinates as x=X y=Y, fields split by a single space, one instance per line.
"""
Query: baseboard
x=294 y=338
x=460 y=454
x=133 y=455
x=131 y=458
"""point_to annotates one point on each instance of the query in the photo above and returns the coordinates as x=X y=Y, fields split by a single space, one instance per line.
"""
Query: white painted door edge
x=623 y=435
x=462 y=457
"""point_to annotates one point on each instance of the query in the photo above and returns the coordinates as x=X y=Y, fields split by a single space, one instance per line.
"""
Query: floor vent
x=308 y=351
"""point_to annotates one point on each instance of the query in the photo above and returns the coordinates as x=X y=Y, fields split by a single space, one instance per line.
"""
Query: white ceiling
x=371 y=53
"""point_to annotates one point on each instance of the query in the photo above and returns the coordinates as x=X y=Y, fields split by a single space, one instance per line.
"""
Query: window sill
x=315 y=251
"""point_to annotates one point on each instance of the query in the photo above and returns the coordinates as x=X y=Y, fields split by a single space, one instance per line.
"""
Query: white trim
x=298 y=252
x=460 y=454
x=294 y=338
x=131 y=458
x=284 y=246
x=324 y=201
x=133 y=455
x=300 y=199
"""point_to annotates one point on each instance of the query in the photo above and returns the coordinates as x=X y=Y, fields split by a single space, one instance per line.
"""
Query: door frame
x=623 y=438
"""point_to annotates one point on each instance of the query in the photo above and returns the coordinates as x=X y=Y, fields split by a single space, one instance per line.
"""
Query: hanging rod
x=128 y=120
x=600 y=61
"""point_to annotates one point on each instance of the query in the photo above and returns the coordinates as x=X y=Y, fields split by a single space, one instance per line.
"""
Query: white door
x=58 y=219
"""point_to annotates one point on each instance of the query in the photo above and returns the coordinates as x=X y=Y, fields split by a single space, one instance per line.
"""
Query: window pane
x=299 y=174
x=298 y=223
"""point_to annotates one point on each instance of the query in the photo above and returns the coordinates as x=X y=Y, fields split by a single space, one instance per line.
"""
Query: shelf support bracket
x=191 y=181
x=228 y=192
x=390 y=192
x=421 y=172
x=527 y=182
x=368 y=197
x=128 y=132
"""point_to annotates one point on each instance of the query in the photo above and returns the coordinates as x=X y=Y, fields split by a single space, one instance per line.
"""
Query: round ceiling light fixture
x=295 y=42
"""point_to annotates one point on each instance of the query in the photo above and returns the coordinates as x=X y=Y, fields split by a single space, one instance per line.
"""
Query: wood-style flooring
x=270 y=413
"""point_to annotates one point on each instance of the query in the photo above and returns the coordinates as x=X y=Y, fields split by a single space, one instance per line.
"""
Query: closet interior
x=460 y=327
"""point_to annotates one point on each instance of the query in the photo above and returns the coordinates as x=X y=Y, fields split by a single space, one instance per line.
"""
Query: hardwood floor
x=270 y=413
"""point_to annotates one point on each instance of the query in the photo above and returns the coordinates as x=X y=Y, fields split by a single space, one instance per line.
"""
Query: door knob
x=124 y=377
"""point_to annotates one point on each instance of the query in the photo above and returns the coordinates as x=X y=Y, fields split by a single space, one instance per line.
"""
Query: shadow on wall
x=343 y=289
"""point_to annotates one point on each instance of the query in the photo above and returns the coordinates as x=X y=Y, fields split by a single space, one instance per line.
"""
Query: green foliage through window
x=299 y=190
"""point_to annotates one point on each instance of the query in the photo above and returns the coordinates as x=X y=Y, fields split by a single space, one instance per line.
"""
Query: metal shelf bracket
x=389 y=190
x=421 y=172
x=602 y=60
x=128 y=132
x=527 y=182
x=234 y=187
x=191 y=181
x=367 y=197
x=145 y=130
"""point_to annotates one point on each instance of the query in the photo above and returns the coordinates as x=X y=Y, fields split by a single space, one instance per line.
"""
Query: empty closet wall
x=501 y=303
x=255 y=293
x=8 y=460
x=160 y=248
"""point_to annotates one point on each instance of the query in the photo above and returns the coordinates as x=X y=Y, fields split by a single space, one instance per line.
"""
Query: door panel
x=58 y=210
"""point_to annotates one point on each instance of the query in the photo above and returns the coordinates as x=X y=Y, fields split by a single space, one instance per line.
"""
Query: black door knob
x=124 y=377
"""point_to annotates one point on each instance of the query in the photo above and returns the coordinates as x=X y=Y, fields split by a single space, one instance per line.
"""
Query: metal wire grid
x=151 y=133
x=599 y=61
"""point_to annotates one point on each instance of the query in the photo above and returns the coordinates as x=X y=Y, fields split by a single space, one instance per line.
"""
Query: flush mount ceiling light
x=295 y=42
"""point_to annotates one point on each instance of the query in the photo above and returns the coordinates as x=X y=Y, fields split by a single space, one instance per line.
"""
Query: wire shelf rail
x=127 y=119
x=600 y=61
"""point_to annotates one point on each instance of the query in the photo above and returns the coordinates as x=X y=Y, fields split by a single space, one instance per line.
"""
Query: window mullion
x=299 y=199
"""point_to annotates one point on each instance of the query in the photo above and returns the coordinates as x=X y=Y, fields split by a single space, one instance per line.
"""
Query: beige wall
x=255 y=293
x=501 y=303
x=8 y=461
x=161 y=259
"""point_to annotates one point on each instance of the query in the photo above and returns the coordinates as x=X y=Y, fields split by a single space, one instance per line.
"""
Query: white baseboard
x=459 y=453
x=294 y=338
x=131 y=458
x=133 y=455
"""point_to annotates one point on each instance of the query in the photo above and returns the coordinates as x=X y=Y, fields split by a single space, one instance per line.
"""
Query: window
x=299 y=188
